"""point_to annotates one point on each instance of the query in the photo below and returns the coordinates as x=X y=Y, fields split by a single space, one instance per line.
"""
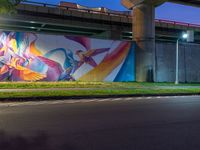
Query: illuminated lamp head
x=184 y=35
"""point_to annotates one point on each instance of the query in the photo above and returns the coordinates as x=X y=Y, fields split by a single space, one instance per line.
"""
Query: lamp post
x=184 y=36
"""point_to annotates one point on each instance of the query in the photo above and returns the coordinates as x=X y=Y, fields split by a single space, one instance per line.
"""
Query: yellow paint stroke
x=13 y=45
x=109 y=63
x=34 y=50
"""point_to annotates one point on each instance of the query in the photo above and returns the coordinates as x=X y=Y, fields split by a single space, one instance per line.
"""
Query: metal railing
x=177 y=23
x=110 y=13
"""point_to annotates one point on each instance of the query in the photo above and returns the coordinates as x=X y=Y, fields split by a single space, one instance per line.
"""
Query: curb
x=23 y=99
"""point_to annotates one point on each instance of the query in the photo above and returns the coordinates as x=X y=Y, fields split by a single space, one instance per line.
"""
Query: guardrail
x=177 y=23
x=109 y=13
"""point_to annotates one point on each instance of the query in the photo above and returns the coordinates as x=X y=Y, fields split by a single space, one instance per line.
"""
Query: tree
x=8 y=6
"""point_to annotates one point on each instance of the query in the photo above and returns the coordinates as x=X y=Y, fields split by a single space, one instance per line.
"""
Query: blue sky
x=168 y=11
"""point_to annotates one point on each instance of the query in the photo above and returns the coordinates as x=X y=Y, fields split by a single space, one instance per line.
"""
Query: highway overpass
x=47 y=18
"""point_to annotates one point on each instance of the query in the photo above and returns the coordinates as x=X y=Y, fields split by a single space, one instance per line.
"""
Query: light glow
x=185 y=36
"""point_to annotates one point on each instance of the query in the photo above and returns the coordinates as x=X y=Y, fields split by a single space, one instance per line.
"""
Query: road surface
x=150 y=123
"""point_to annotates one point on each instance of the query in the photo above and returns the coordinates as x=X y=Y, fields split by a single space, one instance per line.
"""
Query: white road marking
x=148 y=97
x=129 y=98
x=103 y=100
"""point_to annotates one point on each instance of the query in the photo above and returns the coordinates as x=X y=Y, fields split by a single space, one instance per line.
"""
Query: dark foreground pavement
x=150 y=123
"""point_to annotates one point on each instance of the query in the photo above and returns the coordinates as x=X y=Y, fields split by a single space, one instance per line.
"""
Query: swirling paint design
x=36 y=57
x=107 y=65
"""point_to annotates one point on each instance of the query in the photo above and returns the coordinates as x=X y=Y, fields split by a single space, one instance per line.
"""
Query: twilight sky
x=167 y=11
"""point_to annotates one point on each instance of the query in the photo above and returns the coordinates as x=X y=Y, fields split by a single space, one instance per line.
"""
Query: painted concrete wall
x=43 y=57
x=189 y=62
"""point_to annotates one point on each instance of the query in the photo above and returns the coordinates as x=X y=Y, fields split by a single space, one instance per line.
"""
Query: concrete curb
x=23 y=99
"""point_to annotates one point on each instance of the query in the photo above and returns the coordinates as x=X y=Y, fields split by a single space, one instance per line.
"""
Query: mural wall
x=42 y=57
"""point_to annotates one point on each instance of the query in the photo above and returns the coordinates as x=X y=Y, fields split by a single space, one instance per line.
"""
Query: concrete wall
x=189 y=62
x=44 y=57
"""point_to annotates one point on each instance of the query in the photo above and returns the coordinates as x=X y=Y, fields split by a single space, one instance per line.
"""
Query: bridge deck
x=40 y=17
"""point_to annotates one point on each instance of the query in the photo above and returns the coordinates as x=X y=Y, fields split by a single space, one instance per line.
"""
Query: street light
x=184 y=36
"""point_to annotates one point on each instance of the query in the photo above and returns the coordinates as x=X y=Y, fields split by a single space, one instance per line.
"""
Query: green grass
x=92 y=88
x=37 y=85
x=96 y=92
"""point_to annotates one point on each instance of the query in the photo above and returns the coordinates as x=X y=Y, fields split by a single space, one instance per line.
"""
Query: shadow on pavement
x=38 y=142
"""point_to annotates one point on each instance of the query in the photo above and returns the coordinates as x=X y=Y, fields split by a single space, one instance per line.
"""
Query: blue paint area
x=22 y=42
x=69 y=63
x=18 y=39
x=127 y=72
x=38 y=66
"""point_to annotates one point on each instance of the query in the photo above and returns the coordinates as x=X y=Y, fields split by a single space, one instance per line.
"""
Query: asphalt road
x=151 y=123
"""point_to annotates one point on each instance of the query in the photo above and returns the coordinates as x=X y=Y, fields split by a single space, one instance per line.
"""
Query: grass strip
x=38 y=85
x=95 y=92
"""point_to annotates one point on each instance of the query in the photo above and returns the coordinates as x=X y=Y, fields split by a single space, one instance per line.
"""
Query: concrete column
x=144 y=35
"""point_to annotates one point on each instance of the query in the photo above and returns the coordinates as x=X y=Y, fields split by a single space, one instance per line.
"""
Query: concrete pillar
x=144 y=35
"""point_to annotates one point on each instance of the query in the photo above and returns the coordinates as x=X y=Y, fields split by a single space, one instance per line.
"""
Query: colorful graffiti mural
x=42 y=57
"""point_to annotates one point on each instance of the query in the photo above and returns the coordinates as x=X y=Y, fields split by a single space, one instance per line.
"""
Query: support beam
x=144 y=35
